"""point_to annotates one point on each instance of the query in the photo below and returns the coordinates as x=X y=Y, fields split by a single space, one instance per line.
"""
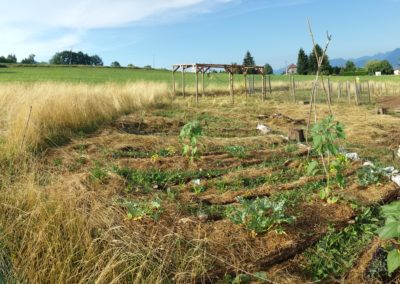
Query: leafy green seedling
x=188 y=136
x=370 y=175
x=236 y=151
x=259 y=215
x=391 y=231
x=325 y=135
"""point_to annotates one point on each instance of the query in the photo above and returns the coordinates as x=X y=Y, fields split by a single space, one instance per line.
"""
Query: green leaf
x=312 y=168
x=390 y=230
x=393 y=260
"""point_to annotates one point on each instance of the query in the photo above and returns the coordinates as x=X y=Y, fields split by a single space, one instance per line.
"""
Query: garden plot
x=217 y=201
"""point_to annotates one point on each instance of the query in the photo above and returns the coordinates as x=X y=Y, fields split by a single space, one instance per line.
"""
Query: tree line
x=12 y=59
x=249 y=61
x=308 y=65
x=65 y=57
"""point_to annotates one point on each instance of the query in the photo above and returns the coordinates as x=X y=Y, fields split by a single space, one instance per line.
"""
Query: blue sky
x=165 y=32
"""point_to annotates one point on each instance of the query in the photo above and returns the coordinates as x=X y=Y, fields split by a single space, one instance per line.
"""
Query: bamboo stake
x=315 y=89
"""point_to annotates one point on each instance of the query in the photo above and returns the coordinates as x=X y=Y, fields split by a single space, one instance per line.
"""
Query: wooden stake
x=183 y=81
x=231 y=86
x=348 y=90
x=263 y=87
x=339 y=90
x=356 y=92
x=294 y=89
x=197 y=86
x=202 y=82
x=369 y=93
x=269 y=83
x=329 y=91
x=173 y=82
x=245 y=85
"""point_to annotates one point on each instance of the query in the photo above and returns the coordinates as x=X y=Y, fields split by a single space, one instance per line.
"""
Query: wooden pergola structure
x=230 y=68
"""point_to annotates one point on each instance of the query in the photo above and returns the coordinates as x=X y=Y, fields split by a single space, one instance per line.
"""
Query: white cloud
x=45 y=26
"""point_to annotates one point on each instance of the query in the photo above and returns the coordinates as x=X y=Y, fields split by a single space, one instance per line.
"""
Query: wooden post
x=253 y=90
x=173 y=81
x=183 y=81
x=329 y=91
x=202 y=82
x=348 y=90
x=369 y=92
x=372 y=88
x=382 y=110
x=263 y=87
x=296 y=134
x=294 y=89
x=339 y=86
x=356 y=92
x=269 y=83
x=245 y=84
x=231 y=86
x=197 y=85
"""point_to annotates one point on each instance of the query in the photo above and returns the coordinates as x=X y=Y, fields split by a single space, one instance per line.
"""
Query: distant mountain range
x=392 y=56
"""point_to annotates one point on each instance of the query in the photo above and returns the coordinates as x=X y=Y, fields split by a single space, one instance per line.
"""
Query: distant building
x=291 y=69
x=378 y=73
x=397 y=72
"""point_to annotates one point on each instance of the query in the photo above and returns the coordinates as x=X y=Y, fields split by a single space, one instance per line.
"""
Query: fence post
x=269 y=83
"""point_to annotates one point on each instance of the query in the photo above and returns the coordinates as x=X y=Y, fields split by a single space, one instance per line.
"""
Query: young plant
x=259 y=215
x=391 y=231
x=371 y=175
x=236 y=151
x=334 y=254
x=137 y=210
x=188 y=136
x=325 y=135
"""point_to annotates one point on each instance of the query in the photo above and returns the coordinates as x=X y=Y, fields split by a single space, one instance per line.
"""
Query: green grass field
x=121 y=75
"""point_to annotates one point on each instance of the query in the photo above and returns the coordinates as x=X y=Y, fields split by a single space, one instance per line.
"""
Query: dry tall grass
x=58 y=109
x=62 y=234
